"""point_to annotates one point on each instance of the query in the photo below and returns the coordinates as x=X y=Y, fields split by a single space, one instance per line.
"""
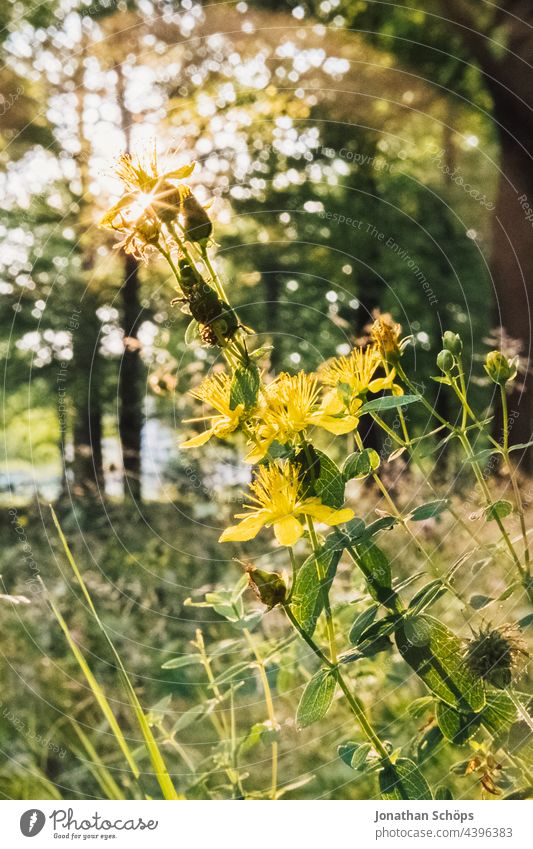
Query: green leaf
x=360 y=464
x=355 y=755
x=420 y=706
x=429 y=510
x=403 y=780
x=375 y=566
x=385 y=523
x=316 y=698
x=388 y=402
x=362 y=621
x=427 y=743
x=480 y=601
x=521 y=446
x=483 y=455
x=498 y=510
x=439 y=663
x=245 y=386
x=183 y=660
x=260 y=732
x=444 y=794
x=457 y=727
x=308 y=599
x=417 y=630
x=191 y=332
x=192 y=715
x=329 y=485
x=499 y=712
x=373 y=639
x=235 y=671
x=427 y=595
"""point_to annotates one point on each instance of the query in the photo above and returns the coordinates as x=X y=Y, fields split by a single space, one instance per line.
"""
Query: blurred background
x=356 y=155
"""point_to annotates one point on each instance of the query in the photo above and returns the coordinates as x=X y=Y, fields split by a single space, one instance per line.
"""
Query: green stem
x=330 y=627
x=356 y=705
x=512 y=476
x=270 y=710
x=488 y=498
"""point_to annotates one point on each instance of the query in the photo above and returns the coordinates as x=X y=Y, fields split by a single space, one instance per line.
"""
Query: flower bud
x=445 y=361
x=452 y=342
x=197 y=225
x=269 y=587
x=499 y=368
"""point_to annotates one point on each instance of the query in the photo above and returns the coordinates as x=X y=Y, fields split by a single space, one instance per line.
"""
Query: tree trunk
x=86 y=401
x=512 y=266
x=130 y=416
x=87 y=366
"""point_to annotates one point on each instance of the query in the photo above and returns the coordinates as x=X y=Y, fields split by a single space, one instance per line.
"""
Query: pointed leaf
x=360 y=464
x=316 y=698
x=308 y=598
x=403 y=780
x=429 y=510
x=440 y=664
x=329 y=485
x=388 y=402
x=362 y=621
x=245 y=386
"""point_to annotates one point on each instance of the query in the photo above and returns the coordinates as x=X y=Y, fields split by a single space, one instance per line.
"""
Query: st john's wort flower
x=215 y=390
x=288 y=407
x=277 y=501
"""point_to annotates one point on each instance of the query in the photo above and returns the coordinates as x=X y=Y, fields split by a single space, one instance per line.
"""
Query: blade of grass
x=97 y=690
x=97 y=766
x=156 y=758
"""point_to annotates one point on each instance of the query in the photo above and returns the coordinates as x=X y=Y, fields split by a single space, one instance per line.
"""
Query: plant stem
x=219 y=721
x=270 y=709
x=356 y=705
x=512 y=476
x=330 y=627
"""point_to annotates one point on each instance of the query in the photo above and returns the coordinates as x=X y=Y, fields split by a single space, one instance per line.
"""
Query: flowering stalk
x=295 y=485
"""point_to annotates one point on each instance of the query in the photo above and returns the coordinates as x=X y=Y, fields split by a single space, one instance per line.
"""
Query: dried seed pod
x=497 y=655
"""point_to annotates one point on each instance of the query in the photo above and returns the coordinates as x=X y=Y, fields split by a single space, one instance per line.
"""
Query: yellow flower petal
x=288 y=530
x=245 y=530
x=327 y=514
x=381 y=383
x=337 y=426
x=201 y=439
x=332 y=404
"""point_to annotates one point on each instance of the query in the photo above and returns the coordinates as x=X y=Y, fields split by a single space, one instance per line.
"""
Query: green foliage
x=308 y=591
x=435 y=654
x=403 y=780
x=316 y=698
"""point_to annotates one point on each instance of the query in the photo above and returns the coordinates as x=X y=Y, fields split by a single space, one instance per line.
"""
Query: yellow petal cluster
x=215 y=390
x=288 y=407
x=277 y=501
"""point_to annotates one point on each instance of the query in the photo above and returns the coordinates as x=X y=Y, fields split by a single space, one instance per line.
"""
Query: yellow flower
x=352 y=377
x=356 y=371
x=277 y=501
x=148 y=194
x=289 y=405
x=216 y=391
